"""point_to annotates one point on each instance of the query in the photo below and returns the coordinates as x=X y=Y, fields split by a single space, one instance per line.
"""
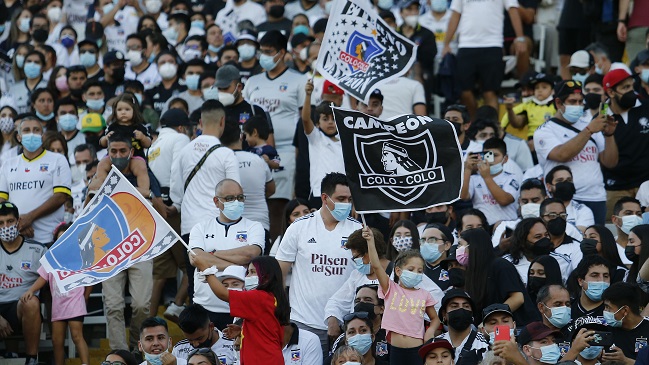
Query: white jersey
x=195 y=204
x=400 y=96
x=163 y=152
x=439 y=27
x=212 y=235
x=481 y=22
x=325 y=156
x=579 y=215
x=222 y=348
x=30 y=183
x=295 y=7
x=19 y=269
x=585 y=165
x=255 y=174
x=303 y=348
x=484 y=201
x=229 y=17
x=78 y=139
x=318 y=256
x=21 y=95
x=126 y=24
x=149 y=77
x=571 y=248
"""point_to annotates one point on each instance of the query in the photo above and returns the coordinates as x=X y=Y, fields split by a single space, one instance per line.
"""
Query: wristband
x=588 y=129
x=519 y=39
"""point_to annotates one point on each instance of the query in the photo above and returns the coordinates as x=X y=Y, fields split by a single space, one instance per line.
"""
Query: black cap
x=113 y=56
x=320 y=26
x=565 y=88
x=94 y=31
x=444 y=229
x=526 y=79
x=376 y=93
x=300 y=38
x=456 y=293
x=541 y=77
x=174 y=118
x=495 y=308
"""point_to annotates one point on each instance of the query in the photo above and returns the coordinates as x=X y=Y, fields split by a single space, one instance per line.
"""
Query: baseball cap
x=320 y=26
x=93 y=122
x=535 y=331
x=247 y=34
x=376 y=93
x=435 y=343
x=329 y=88
x=643 y=57
x=113 y=56
x=581 y=59
x=541 y=77
x=225 y=75
x=456 y=293
x=174 y=118
x=614 y=77
x=565 y=88
x=495 y=308
x=300 y=38
x=526 y=79
x=232 y=272
x=591 y=323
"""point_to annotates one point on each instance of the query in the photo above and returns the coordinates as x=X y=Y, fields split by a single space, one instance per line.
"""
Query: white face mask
x=531 y=210
x=411 y=20
x=135 y=57
x=303 y=54
x=54 y=14
x=168 y=70
x=153 y=6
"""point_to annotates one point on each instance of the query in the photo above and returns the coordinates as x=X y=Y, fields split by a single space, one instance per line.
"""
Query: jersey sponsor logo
x=295 y=355
x=25 y=265
x=312 y=240
x=343 y=242
x=270 y=105
x=154 y=154
x=26 y=185
x=640 y=343
x=8 y=282
x=443 y=275
x=242 y=236
x=328 y=265
x=381 y=348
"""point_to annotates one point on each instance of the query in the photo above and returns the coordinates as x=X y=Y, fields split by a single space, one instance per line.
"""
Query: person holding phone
x=622 y=315
x=589 y=339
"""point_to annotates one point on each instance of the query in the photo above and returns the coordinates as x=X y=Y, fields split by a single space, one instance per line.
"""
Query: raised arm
x=307 y=122
x=375 y=262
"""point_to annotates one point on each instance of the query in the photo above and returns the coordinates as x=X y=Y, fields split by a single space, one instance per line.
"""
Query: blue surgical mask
x=573 y=113
x=214 y=49
x=95 y=104
x=644 y=75
x=609 y=318
x=67 y=41
x=301 y=29
x=153 y=359
x=439 y=6
x=492 y=336
x=592 y=352
x=251 y=282
x=198 y=24
x=211 y=93
x=598 y=70
x=138 y=96
x=361 y=342
x=267 y=62
x=550 y=354
x=232 y=210
x=192 y=81
x=595 y=290
x=20 y=61
x=87 y=59
x=31 y=142
x=363 y=268
x=341 y=210
x=44 y=117
x=410 y=279
x=629 y=222
x=496 y=169
x=430 y=252
x=246 y=51
x=151 y=57
x=32 y=70
x=580 y=78
x=560 y=316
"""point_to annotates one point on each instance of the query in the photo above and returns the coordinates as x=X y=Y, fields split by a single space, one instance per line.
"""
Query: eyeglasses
x=431 y=240
x=360 y=315
x=231 y=198
x=533 y=181
x=112 y=363
x=556 y=215
x=201 y=351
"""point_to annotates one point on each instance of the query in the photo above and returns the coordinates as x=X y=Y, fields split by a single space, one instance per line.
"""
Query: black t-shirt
x=240 y=113
x=630 y=342
x=246 y=73
x=111 y=90
x=97 y=77
x=128 y=130
x=438 y=275
x=572 y=16
x=283 y=26
x=157 y=97
x=527 y=28
x=577 y=310
x=427 y=49
x=503 y=280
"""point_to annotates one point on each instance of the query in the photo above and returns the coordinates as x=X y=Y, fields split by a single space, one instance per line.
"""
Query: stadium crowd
x=215 y=112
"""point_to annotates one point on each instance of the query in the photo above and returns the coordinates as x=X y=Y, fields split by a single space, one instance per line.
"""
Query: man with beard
x=199 y=332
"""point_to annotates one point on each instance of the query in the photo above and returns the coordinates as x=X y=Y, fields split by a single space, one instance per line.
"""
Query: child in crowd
x=233 y=277
x=127 y=120
x=68 y=309
x=256 y=130
x=405 y=304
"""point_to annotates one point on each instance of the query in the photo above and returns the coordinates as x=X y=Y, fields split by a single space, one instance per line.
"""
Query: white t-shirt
x=196 y=204
x=571 y=249
x=587 y=173
x=303 y=348
x=78 y=139
x=400 y=96
x=482 y=22
x=223 y=349
x=438 y=27
x=229 y=17
x=255 y=174
x=484 y=201
x=643 y=194
x=579 y=215
x=29 y=183
x=295 y=7
x=21 y=94
x=163 y=152
x=149 y=77
x=325 y=156
x=212 y=235
x=523 y=265
x=318 y=256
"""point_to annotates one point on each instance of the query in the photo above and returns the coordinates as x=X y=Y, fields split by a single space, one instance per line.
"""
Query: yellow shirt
x=536 y=116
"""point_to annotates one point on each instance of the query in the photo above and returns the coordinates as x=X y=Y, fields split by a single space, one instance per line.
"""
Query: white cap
x=232 y=272
x=580 y=59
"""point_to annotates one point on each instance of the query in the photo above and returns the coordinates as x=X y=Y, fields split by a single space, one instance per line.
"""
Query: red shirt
x=261 y=334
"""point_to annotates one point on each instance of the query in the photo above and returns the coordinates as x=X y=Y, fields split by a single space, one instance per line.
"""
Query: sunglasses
x=7 y=205
x=112 y=363
x=360 y=315
x=201 y=351
x=533 y=181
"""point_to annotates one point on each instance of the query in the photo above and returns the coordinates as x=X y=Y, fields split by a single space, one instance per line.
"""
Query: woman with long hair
x=19 y=32
x=637 y=250
x=264 y=310
x=8 y=144
x=606 y=247
x=18 y=63
x=403 y=236
x=58 y=83
x=294 y=209
x=490 y=279
x=42 y=103
x=544 y=270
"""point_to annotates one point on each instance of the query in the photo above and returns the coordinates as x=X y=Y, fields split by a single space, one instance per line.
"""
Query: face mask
x=461 y=256
x=542 y=247
x=268 y=62
x=560 y=316
x=531 y=210
x=460 y=319
x=7 y=125
x=410 y=279
x=67 y=41
x=68 y=217
x=95 y=104
x=644 y=75
x=61 y=83
x=341 y=210
x=54 y=14
x=78 y=173
x=214 y=49
x=32 y=142
x=251 y=282
x=107 y=8
x=564 y=190
x=436 y=217
x=43 y=116
x=627 y=100
x=629 y=252
x=120 y=163
x=226 y=99
x=20 y=61
x=430 y=252
x=590 y=353
x=411 y=20
x=595 y=290
x=362 y=267
x=139 y=97
x=385 y=4
x=23 y=25
x=557 y=226
x=496 y=169
x=135 y=57
x=609 y=318
x=550 y=354
x=198 y=24
x=439 y=6
x=572 y=113
x=171 y=34
x=276 y=11
x=151 y=58
x=153 y=6
x=361 y=342
x=629 y=222
x=492 y=336
x=534 y=283
x=588 y=247
x=32 y=70
x=40 y=35
x=168 y=70
x=118 y=74
x=211 y=93
x=9 y=234
x=301 y=29
x=580 y=78
x=192 y=82
x=402 y=243
x=246 y=51
x=191 y=54
x=592 y=101
x=303 y=54
x=598 y=70
x=153 y=359
x=328 y=6
x=232 y=210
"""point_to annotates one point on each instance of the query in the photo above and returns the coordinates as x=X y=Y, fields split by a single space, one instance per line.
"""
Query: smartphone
x=479 y=154
x=601 y=338
x=502 y=333
x=603 y=110
x=488 y=156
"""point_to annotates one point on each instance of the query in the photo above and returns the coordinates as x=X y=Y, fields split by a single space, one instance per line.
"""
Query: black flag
x=409 y=162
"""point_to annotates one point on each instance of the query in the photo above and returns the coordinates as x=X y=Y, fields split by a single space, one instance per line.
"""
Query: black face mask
x=542 y=247
x=629 y=252
x=557 y=226
x=456 y=277
x=534 y=284
x=592 y=101
x=276 y=11
x=365 y=307
x=436 y=217
x=564 y=190
x=118 y=74
x=460 y=319
x=588 y=247
x=458 y=128
x=207 y=343
x=627 y=100
x=40 y=35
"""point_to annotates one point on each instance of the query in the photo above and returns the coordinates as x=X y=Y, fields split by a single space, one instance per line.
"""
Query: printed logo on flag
x=361 y=49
